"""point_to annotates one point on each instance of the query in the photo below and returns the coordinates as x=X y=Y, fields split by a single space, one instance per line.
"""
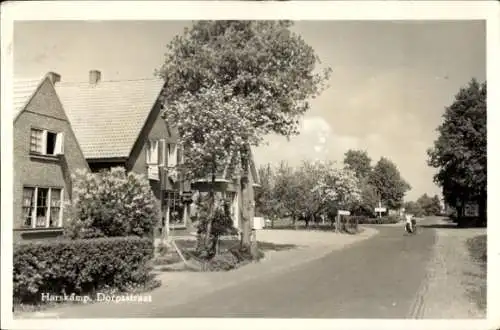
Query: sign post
x=341 y=213
x=380 y=209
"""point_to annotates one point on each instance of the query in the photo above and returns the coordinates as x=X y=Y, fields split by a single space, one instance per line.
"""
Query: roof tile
x=23 y=90
x=108 y=117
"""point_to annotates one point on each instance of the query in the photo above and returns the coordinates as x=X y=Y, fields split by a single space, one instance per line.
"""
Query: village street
x=386 y=274
x=378 y=278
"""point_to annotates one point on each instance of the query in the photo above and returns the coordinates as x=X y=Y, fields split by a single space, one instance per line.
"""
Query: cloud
x=316 y=141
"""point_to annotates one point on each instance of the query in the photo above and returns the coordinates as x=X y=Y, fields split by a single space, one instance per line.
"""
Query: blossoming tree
x=228 y=85
x=336 y=188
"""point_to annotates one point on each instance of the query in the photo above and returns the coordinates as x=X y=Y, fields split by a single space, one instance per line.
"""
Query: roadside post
x=339 y=214
x=380 y=209
x=258 y=224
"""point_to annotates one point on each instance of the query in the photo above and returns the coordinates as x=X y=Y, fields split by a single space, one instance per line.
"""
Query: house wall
x=155 y=129
x=43 y=111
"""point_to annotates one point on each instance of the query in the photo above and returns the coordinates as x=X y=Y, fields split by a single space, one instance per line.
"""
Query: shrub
x=222 y=262
x=231 y=259
x=79 y=266
x=360 y=219
x=383 y=220
x=111 y=203
x=162 y=249
x=391 y=219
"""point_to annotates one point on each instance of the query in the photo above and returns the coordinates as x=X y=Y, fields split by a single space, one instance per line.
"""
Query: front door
x=173 y=209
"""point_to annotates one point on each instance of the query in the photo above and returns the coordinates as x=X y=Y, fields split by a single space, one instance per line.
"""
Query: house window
x=28 y=206
x=55 y=207
x=42 y=207
x=36 y=144
x=173 y=155
x=154 y=152
x=174 y=208
x=43 y=142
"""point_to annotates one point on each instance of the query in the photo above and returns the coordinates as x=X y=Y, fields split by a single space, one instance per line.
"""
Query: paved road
x=379 y=278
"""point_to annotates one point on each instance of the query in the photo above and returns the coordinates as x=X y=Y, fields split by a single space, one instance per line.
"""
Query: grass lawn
x=229 y=243
x=477 y=250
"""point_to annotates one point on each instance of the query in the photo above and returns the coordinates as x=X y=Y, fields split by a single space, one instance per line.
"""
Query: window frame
x=168 y=205
x=58 y=143
x=172 y=154
x=150 y=151
x=48 y=201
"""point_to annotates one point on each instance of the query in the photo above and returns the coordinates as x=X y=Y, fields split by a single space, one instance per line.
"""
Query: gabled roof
x=108 y=117
x=23 y=91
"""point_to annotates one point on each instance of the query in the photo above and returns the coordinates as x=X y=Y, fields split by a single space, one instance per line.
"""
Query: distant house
x=46 y=151
x=119 y=123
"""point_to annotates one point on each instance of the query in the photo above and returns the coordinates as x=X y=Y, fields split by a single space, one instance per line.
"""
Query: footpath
x=453 y=277
x=183 y=287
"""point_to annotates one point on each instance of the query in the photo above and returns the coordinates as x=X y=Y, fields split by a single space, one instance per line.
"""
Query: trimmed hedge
x=378 y=221
x=79 y=266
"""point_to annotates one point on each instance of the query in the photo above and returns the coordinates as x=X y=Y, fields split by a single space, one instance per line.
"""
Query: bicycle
x=411 y=228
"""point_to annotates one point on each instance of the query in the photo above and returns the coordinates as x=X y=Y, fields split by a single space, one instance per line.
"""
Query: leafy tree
x=288 y=189
x=369 y=199
x=359 y=162
x=336 y=188
x=435 y=205
x=390 y=186
x=460 y=149
x=312 y=197
x=267 y=203
x=230 y=83
x=429 y=205
x=414 y=208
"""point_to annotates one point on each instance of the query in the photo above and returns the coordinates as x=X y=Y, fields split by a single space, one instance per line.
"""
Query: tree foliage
x=311 y=190
x=459 y=153
x=369 y=199
x=230 y=83
x=267 y=202
x=429 y=205
x=359 y=162
x=390 y=186
x=414 y=208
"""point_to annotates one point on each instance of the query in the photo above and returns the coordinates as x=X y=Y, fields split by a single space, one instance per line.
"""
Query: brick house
x=119 y=123
x=46 y=152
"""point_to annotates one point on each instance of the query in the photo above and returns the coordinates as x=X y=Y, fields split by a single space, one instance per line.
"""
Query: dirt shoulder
x=456 y=282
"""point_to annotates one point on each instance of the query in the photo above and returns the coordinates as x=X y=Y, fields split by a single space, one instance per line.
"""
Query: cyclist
x=410 y=223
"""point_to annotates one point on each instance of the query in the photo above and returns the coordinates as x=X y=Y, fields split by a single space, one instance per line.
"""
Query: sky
x=390 y=84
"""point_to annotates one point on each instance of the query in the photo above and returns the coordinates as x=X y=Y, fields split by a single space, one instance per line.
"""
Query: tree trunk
x=272 y=222
x=246 y=200
x=483 y=209
x=211 y=208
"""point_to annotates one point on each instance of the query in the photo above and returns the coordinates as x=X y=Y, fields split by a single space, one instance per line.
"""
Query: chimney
x=94 y=77
x=54 y=77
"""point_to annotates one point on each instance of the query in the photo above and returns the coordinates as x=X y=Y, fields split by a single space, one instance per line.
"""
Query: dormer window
x=47 y=143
